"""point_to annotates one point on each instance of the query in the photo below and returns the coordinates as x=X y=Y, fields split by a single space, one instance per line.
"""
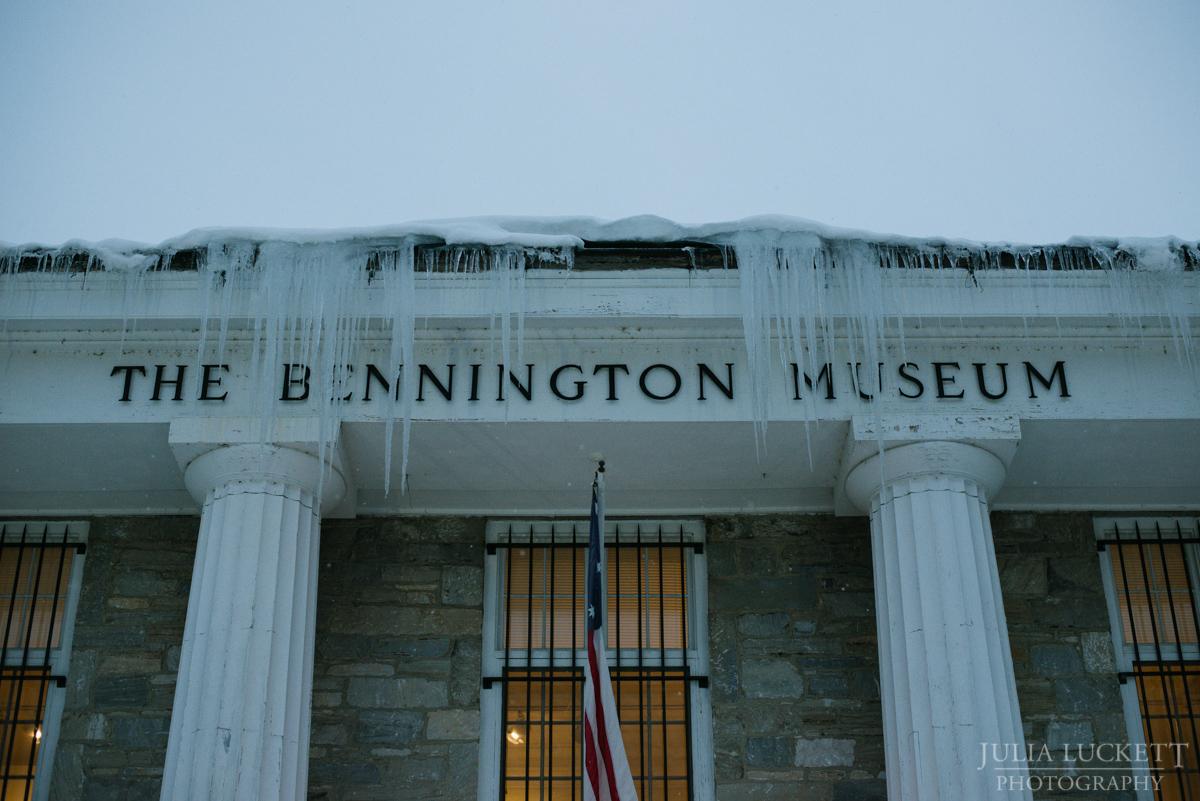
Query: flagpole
x=598 y=486
x=598 y=508
x=598 y=489
x=607 y=775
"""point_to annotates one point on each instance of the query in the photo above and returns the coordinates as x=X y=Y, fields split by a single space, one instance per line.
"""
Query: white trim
x=1013 y=298
x=703 y=782
x=490 y=740
x=489 y=697
x=76 y=531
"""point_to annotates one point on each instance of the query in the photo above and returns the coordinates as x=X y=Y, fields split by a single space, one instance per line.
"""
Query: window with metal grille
x=534 y=657
x=40 y=571
x=1151 y=572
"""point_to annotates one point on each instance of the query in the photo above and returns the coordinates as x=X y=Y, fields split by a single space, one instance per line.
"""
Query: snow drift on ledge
x=557 y=238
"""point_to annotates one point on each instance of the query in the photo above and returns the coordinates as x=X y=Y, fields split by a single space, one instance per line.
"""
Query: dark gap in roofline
x=641 y=255
x=688 y=255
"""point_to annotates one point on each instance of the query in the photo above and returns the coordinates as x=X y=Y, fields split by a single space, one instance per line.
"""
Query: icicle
x=780 y=308
x=757 y=264
x=787 y=307
x=399 y=288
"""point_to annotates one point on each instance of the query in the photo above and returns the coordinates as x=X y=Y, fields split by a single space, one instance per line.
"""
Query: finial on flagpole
x=600 y=469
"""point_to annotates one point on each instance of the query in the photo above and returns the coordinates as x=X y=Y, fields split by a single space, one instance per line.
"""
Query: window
x=1151 y=572
x=40 y=571
x=534 y=657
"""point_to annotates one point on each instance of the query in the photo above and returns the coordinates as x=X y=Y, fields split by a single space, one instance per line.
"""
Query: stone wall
x=1059 y=632
x=795 y=689
x=794 y=663
x=121 y=682
x=396 y=694
x=396 y=685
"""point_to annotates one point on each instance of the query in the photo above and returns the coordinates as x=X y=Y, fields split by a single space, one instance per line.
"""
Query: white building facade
x=293 y=515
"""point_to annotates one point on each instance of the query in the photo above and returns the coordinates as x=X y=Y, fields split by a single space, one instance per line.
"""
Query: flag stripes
x=606 y=767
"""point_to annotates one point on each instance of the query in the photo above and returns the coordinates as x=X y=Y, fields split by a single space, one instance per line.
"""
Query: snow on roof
x=569 y=236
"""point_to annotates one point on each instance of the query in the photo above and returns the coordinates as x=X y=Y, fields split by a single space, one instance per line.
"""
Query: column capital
x=931 y=458
x=886 y=448
x=217 y=451
x=227 y=464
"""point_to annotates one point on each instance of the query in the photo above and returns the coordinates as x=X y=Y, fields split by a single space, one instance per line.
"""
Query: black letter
x=160 y=381
x=525 y=389
x=128 y=369
x=1060 y=370
x=646 y=390
x=373 y=373
x=856 y=379
x=912 y=379
x=726 y=389
x=289 y=382
x=207 y=380
x=475 y=382
x=612 y=377
x=983 y=381
x=447 y=389
x=579 y=385
x=336 y=380
x=825 y=374
x=944 y=381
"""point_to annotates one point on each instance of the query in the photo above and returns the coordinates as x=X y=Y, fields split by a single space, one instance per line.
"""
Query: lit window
x=534 y=657
x=1151 y=571
x=40 y=570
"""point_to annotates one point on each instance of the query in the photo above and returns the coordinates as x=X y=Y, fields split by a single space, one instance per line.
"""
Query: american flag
x=606 y=768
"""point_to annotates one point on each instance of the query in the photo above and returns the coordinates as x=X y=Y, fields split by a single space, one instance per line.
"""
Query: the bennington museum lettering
x=613 y=381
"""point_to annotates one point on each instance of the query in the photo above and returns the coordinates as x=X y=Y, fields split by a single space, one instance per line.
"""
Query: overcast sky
x=1028 y=120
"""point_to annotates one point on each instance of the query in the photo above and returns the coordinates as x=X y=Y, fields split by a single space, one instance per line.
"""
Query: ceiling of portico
x=653 y=468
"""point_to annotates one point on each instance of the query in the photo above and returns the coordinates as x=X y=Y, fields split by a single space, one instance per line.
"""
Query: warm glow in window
x=543 y=716
x=1153 y=570
x=23 y=697
x=648 y=631
x=647 y=596
x=1169 y=702
x=1153 y=596
x=33 y=595
x=34 y=589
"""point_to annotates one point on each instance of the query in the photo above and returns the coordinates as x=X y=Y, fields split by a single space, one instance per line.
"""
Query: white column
x=946 y=674
x=241 y=719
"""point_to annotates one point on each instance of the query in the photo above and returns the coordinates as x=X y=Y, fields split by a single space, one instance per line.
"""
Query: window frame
x=1166 y=527
x=492 y=662
x=74 y=533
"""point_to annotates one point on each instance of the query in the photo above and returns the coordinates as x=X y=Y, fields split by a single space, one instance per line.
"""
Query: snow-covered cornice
x=586 y=242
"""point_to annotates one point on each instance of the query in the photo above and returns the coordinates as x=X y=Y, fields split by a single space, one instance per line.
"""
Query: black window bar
x=1152 y=570
x=541 y=753
x=35 y=571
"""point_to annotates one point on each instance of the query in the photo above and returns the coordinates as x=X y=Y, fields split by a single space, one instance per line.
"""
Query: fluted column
x=952 y=726
x=241 y=718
